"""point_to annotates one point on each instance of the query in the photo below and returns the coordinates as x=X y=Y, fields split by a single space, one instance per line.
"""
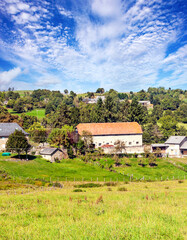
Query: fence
x=127 y=178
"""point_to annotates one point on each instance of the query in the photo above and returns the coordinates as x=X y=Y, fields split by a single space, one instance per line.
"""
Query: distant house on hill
x=105 y=135
x=93 y=100
x=52 y=154
x=5 y=130
x=146 y=104
x=175 y=146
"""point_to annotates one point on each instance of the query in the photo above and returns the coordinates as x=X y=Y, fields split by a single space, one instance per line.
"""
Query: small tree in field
x=88 y=139
x=119 y=146
x=17 y=142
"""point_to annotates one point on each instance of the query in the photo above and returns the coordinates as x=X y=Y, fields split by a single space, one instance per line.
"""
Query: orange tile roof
x=110 y=128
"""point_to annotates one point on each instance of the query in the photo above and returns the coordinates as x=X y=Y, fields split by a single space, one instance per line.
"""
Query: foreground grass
x=145 y=211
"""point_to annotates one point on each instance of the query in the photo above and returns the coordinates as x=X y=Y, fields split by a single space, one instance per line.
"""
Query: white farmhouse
x=175 y=146
x=108 y=133
x=5 y=130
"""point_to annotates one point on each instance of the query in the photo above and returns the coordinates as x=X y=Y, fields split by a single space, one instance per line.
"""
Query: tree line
x=69 y=108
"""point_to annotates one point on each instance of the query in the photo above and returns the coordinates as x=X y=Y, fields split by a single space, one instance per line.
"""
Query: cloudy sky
x=85 y=44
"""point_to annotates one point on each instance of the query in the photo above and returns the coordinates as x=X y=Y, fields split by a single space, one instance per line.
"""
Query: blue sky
x=85 y=44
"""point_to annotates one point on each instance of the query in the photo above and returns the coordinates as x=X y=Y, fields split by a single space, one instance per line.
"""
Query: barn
x=104 y=134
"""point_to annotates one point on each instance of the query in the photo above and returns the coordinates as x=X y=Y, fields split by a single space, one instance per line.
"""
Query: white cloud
x=106 y=8
x=47 y=80
x=125 y=49
x=64 y=12
x=7 y=76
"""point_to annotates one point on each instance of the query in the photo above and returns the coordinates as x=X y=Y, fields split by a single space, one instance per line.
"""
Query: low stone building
x=52 y=154
x=106 y=134
x=6 y=129
x=175 y=146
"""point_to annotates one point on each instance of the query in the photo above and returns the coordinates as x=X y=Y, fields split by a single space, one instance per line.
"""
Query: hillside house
x=106 y=134
x=93 y=100
x=146 y=104
x=175 y=146
x=5 y=130
x=52 y=154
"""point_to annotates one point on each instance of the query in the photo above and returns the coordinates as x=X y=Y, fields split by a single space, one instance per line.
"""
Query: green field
x=142 y=211
x=22 y=92
x=76 y=169
x=39 y=113
x=67 y=169
x=182 y=124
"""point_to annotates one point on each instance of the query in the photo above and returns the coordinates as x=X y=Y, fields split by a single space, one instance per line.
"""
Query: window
x=137 y=142
x=130 y=143
x=99 y=144
x=107 y=143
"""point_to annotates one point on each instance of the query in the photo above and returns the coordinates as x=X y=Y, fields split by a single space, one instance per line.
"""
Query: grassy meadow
x=39 y=113
x=77 y=170
x=134 y=211
x=34 y=206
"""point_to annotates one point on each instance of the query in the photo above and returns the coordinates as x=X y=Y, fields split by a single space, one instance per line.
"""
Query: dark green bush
x=110 y=184
x=88 y=185
x=180 y=181
x=122 y=189
x=78 y=190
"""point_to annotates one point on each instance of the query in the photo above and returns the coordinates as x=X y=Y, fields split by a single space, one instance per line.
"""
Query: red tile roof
x=107 y=146
x=110 y=128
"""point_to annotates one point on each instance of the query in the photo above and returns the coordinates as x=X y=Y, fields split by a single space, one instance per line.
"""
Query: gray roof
x=184 y=145
x=175 y=140
x=48 y=151
x=8 y=128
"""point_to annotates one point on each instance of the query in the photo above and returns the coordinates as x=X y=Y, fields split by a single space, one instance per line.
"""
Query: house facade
x=146 y=104
x=6 y=129
x=175 y=146
x=52 y=154
x=106 y=134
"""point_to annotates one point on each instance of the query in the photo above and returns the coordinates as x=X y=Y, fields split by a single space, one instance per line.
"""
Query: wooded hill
x=167 y=117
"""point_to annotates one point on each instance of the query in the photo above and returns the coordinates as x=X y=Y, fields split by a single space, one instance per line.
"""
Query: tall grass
x=145 y=211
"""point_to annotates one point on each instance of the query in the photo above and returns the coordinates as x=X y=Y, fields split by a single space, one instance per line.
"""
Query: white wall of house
x=3 y=141
x=111 y=150
x=131 y=140
x=173 y=150
x=48 y=157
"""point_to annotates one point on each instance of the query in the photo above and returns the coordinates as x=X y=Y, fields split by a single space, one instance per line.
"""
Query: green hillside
x=78 y=170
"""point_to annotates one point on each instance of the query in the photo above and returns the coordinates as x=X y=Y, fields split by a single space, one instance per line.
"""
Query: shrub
x=88 y=185
x=78 y=190
x=109 y=189
x=38 y=183
x=110 y=184
x=57 y=160
x=180 y=181
x=58 y=185
x=122 y=189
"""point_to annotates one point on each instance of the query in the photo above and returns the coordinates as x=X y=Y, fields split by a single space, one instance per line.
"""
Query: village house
x=5 y=130
x=52 y=154
x=146 y=104
x=105 y=135
x=175 y=146
x=93 y=100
